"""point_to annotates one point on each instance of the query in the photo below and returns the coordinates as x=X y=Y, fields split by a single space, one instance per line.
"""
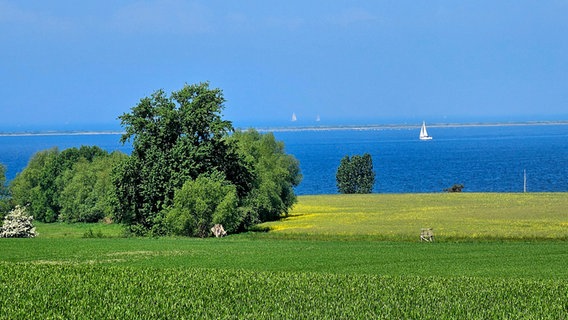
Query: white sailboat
x=294 y=116
x=424 y=133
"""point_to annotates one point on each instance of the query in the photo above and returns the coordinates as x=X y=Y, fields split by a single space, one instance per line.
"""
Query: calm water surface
x=483 y=158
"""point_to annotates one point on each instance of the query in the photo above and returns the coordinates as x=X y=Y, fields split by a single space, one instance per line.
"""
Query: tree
x=35 y=186
x=4 y=192
x=202 y=203
x=40 y=185
x=88 y=194
x=355 y=174
x=175 y=139
x=3 y=189
x=276 y=175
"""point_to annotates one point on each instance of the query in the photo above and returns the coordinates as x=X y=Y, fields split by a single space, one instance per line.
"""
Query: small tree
x=276 y=175
x=17 y=224
x=355 y=174
x=202 y=203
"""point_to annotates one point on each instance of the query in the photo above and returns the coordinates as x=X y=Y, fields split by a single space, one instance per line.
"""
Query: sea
x=482 y=157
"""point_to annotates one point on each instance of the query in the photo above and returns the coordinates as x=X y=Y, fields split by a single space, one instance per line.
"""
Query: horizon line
x=302 y=128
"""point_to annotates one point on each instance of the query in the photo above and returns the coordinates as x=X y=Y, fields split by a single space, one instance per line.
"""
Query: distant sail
x=318 y=118
x=294 y=116
x=424 y=133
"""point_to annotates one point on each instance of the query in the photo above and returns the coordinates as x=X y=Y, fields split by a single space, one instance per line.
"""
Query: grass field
x=335 y=257
x=460 y=216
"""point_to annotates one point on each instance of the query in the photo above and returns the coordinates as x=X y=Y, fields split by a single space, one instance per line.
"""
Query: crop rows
x=83 y=291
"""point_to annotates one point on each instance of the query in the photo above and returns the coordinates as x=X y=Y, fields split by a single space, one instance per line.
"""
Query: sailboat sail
x=294 y=117
x=424 y=133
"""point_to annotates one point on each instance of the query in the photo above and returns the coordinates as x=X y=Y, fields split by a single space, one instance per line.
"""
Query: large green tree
x=355 y=174
x=276 y=175
x=175 y=138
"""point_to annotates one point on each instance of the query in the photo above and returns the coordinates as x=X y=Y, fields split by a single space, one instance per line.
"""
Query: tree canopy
x=203 y=202
x=190 y=170
x=276 y=172
x=355 y=174
x=175 y=139
x=43 y=187
x=4 y=192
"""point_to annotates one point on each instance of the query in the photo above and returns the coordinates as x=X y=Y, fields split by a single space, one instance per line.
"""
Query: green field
x=496 y=256
x=459 y=216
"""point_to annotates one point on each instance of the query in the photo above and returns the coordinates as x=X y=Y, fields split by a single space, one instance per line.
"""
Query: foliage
x=40 y=185
x=35 y=186
x=3 y=189
x=203 y=202
x=88 y=194
x=355 y=174
x=92 y=234
x=4 y=193
x=455 y=188
x=17 y=224
x=175 y=139
x=276 y=173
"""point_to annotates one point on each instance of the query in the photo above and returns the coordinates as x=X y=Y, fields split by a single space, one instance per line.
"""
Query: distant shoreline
x=409 y=126
x=307 y=128
x=58 y=133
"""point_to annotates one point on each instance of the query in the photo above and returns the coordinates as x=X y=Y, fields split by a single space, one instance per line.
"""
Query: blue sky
x=80 y=64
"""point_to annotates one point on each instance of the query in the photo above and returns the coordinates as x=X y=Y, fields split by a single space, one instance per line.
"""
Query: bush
x=17 y=224
x=202 y=203
x=91 y=234
x=455 y=188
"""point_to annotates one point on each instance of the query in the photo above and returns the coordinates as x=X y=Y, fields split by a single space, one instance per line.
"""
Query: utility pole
x=525 y=180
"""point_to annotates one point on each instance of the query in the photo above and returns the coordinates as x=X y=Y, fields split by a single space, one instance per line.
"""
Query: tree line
x=189 y=169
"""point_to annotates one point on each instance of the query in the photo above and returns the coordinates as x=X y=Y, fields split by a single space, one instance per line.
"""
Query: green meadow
x=499 y=256
x=453 y=216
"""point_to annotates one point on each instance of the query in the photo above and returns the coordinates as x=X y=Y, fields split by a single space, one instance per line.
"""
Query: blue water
x=483 y=158
x=16 y=151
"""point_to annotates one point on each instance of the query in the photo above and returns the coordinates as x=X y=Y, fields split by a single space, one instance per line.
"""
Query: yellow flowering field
x=452 y=216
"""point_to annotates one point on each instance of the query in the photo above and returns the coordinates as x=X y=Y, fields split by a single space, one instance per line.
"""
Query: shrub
x=202 y=203
x=455 y=188
x=17 y=224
